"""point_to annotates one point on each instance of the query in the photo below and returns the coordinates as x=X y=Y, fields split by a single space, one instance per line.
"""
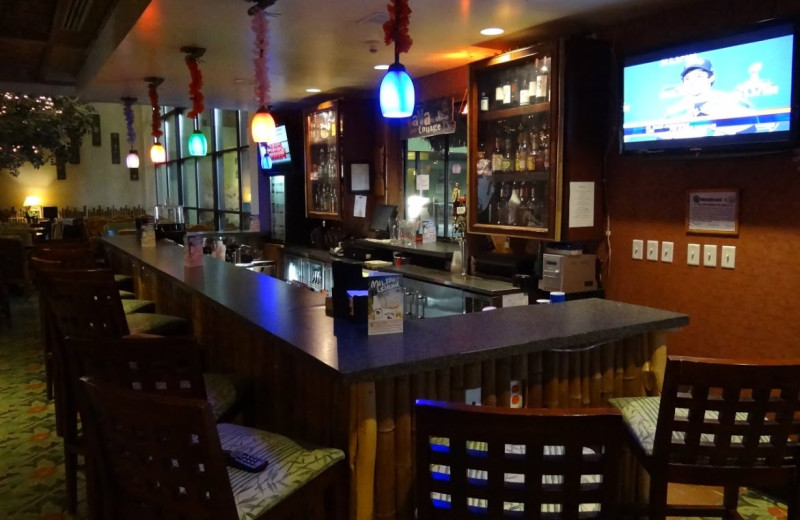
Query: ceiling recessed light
x=313 y=90
x=492 y=31
x=381 y=67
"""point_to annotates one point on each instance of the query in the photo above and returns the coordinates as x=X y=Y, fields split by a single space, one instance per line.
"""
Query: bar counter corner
x=326 y=381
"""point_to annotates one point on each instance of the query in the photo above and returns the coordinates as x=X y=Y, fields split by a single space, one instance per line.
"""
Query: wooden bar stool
x=718 y=422
x=161 y=456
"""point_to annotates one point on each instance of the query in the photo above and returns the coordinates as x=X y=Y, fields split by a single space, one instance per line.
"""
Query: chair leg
x=730 y=499
x=658 y=498
x=71 y=477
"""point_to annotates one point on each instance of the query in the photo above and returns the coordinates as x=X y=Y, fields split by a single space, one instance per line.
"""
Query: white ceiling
x=312 y=43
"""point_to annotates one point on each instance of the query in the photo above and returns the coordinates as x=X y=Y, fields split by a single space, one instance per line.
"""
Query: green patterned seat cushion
x=126 y=295
x=641 y=417
x=291 y=465
x=131 y=305
x=221 y=392
x=160 y=324
x=123 y=281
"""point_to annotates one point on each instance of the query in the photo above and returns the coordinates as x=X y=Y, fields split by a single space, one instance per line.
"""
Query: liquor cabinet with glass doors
x=338 y=133
x=538 y=128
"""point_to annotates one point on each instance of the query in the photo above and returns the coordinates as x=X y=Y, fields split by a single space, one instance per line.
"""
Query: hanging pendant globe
x=158 y=154
x=132 y=159
x=262 y=128
x=198 y=146
x=397 y=92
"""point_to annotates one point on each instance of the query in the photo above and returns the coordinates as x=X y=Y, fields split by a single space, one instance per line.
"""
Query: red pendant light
x=157 y=152
x=262 y=127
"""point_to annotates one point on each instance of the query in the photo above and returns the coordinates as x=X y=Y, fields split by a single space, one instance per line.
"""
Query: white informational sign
x=385 y=304
x=581 y=204
x=423 y=182
x=359 y=177
x=360 y=206
x=713 y=211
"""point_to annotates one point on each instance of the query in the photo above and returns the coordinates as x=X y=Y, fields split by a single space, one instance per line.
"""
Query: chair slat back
x=736 y=416
x=86 y=303
x=157 y=456
x=160 y=365
x=488 y=462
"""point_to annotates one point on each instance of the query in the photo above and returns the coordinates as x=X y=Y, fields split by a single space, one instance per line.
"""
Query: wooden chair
x=496 y=463
x=160 y=456
x=718 y=422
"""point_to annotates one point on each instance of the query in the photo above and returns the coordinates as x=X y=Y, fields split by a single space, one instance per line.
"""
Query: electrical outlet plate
x=693 y=254
x=652 y=250
x=666 y=252
x=637 y=250
x=473 y=396
x=728 y=260
x=710 y=255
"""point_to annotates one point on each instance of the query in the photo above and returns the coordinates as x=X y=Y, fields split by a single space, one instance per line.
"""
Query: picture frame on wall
x=134 y=172
x=96 y=139
x=360 y=178
x=713 y=211
x=115 y=153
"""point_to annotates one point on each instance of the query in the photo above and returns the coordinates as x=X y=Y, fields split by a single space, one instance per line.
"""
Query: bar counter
x=325 y=380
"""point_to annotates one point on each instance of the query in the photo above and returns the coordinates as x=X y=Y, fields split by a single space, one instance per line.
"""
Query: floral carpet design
x=31 y=457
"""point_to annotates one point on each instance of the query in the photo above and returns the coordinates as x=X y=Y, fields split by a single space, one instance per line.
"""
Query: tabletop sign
x=432 y=117
x=193 y=251
x=384 y=303
x=428 y=231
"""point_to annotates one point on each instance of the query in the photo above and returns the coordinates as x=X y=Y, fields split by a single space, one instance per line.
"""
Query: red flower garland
x=156 y=126
x=396 y=28
x=195 y=85
x=260 y=24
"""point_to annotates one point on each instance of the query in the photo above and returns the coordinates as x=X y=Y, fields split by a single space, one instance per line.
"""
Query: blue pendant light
x=397 y=92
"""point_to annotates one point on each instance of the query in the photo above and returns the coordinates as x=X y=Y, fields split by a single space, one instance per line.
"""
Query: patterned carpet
x=31 y=458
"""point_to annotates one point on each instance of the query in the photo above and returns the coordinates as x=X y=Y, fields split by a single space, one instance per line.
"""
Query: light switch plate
x=710 y=255
x=652 y=250
x=728 y=260
x=637 y=249
x=693 y=254
x=666 y=252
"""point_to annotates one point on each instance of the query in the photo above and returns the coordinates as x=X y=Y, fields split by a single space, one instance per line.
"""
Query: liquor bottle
x=524 y=93
x=542 y=81
x=497 y=154
x=507 y=88
x=544 y=146
x=520 y=162
x=533 y=149
x=532 y=93
x=508 y=159
x=481 y=151
x=484 y=102
x=498 y=91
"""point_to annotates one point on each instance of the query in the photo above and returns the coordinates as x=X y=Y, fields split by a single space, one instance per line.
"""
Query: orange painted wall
x=751 y=311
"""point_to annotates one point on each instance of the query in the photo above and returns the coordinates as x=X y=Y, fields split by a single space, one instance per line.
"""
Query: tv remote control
x=245 y=462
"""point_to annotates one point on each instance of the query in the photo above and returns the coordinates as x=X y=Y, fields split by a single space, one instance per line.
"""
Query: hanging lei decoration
x=156 y=126
x=195 y=86
x=127 y=110
x=395 y=29
x=260 y=24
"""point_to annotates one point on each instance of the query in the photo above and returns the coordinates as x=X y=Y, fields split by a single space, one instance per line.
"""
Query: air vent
x=76 y=14
x=376 y=18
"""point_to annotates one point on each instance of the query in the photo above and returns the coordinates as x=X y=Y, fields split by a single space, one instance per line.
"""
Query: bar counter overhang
x=325 y=380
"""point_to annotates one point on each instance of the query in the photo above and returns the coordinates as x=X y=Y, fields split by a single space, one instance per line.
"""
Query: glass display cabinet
x=537 y=132
x=323 y=161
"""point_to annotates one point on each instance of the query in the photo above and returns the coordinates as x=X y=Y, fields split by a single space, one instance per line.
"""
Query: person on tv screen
x=700 y=99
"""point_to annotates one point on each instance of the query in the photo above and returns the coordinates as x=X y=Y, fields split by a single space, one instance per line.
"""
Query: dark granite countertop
x=297 y=316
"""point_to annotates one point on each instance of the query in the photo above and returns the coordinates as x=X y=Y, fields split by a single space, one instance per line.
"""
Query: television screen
x=728 y=94
x=276 y=152
x=380 y=220
x=50 y=212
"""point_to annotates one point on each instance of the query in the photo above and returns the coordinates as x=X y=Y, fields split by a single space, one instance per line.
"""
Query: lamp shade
x=158 y=154
x=262 y=128
x=397 y=92
x=32 y=200
x=198 y=146
x=132 y=159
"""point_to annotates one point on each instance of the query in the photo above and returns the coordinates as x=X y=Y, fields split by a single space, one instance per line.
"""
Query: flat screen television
x=50 y=212
x=731 y=94
x=275 y=155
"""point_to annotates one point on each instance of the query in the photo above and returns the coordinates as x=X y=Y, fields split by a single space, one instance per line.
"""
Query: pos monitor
x=380 y=220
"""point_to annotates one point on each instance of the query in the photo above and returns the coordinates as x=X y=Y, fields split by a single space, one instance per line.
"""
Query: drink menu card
x=193 y=251
x=384 y=304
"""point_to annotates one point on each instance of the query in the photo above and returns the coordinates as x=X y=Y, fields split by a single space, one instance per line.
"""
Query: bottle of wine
x=484 y=102
x=497 y=153
x=524 y=93
x=542 y=81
